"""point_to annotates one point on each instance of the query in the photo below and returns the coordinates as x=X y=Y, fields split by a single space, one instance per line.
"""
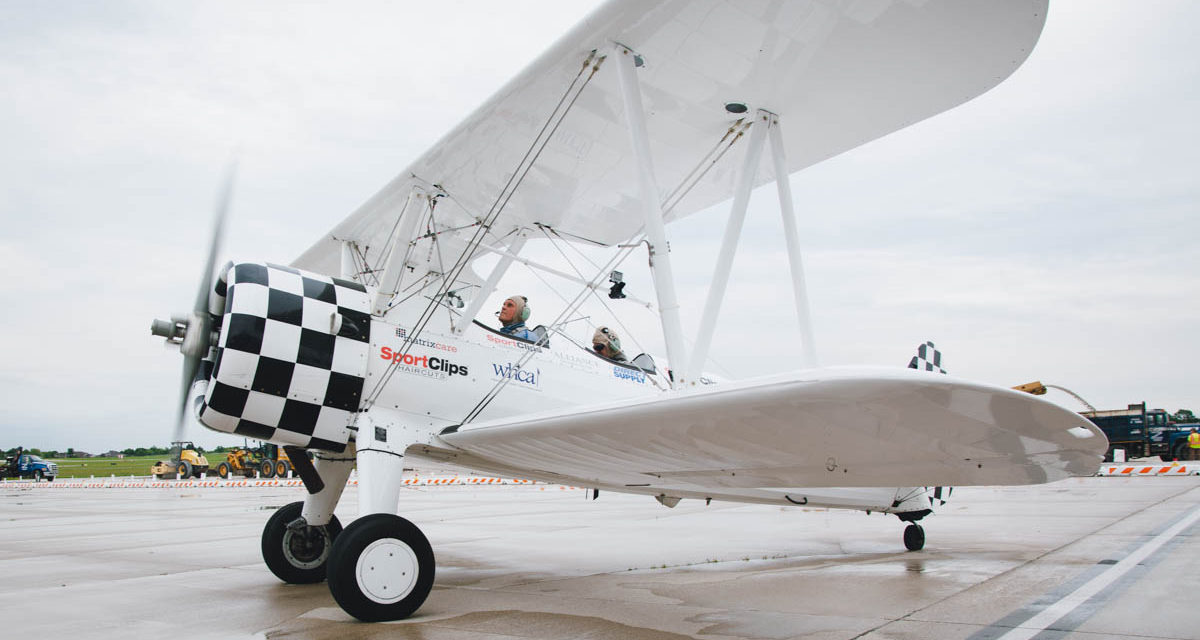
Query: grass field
x=105 y=467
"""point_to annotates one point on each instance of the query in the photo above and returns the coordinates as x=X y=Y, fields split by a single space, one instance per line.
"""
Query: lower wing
x=818 y=428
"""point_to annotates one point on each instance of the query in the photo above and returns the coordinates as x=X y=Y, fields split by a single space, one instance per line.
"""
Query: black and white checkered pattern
x=928 y=358
x=291 y=358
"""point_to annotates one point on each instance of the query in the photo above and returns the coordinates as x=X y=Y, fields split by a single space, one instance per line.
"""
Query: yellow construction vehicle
x=185 y=462
x=241 y=462
x=275 y=461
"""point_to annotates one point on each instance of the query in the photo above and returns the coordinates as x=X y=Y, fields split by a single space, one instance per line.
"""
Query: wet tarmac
x=1087 y=558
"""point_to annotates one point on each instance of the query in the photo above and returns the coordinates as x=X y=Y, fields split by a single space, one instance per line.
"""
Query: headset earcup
x=525 y=312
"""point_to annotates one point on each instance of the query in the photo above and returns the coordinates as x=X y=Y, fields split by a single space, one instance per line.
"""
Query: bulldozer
x=185 y=462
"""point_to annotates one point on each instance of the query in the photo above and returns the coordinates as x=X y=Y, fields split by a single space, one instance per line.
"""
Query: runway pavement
x=1091 y=558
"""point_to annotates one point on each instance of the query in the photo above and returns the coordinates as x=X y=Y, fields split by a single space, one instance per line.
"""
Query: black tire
x=223 y=470
x=1181 y=452
x=38 y=475
x=914 y=537
x=183 y=470
x=297 y=557
x=281 y=468
x=397 y=568
x=267 y=469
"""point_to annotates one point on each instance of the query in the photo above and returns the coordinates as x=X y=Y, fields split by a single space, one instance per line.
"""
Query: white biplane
x=366 y=350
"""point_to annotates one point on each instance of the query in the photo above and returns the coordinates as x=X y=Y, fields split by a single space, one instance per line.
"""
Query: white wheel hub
x=387 y=570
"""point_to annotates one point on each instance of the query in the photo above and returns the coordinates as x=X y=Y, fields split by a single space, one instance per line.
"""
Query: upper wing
x=828 y=428
x=838 y=74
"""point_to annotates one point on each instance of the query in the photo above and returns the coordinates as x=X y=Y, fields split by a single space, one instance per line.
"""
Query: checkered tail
x=928 y=358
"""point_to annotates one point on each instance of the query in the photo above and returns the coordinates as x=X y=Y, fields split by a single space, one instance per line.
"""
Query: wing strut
x=349 y=270
x=656 y=235
x=792 y=237
x=389 y=283
x=733 y=231
x=765 y=126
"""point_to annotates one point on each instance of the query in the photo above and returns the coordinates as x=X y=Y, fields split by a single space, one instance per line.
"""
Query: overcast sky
x=1045 y=231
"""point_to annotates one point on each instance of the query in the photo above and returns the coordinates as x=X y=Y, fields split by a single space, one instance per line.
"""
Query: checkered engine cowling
x=291 y=358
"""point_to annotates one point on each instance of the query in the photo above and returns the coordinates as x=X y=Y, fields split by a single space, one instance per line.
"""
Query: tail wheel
x=914 y=537
x=297 y=556
x=381 y=568
x=223 y=470
x=282 y=468
x=183 y=469
x=267 y=468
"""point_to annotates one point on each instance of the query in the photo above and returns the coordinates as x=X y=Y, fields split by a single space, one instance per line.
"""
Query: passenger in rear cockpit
x=513 y=314
x=606 y=343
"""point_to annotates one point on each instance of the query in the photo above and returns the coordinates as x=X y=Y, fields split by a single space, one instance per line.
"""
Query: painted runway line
x=1064 y=606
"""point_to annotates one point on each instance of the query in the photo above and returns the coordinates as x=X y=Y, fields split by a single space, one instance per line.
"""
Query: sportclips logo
x=430 y=367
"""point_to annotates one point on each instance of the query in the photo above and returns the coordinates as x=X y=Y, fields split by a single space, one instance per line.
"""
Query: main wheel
x=282 y=468
x=183 y=469
x=914 y=537
x=381 y=568
x=267 y=469
x=297 y=556
x=223 y=470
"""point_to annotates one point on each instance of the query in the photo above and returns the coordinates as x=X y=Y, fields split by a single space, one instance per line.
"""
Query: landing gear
x=297 y=554
x=914 y=537
x=381 y=568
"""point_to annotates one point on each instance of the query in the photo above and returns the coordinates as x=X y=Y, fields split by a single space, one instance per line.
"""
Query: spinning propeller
x=194 y=332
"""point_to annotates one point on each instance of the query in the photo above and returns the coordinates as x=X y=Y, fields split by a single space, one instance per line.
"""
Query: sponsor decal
x=423 y=365
x=401 y=332
x=509 y=342
x=636 y=375
x=587 y=363
x=528 y=377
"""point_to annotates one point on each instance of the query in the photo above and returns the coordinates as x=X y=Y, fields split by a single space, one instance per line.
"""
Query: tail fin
x=928 y=358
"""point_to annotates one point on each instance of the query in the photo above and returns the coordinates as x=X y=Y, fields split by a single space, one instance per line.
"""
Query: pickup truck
x=27 y=465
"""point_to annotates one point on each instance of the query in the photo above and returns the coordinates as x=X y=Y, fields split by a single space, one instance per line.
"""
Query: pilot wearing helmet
x=513 y=314
x=606 y=343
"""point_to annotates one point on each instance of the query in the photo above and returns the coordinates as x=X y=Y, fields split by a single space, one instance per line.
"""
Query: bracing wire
x=527 y=161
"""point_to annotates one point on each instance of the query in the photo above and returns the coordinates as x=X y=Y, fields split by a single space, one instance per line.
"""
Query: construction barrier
x=1160 y=469
x=142 y=483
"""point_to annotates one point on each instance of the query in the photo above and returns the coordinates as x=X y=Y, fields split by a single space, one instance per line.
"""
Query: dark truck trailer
x=1141 y=432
